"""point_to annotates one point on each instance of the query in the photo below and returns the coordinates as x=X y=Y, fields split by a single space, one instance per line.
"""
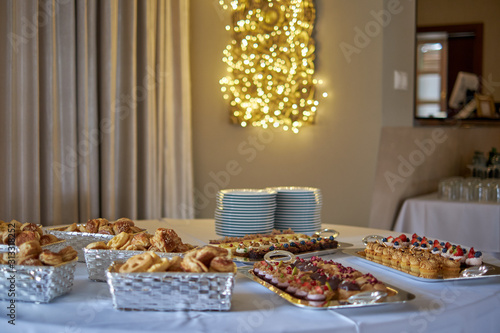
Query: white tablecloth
x=465 y=306
x=467 y=223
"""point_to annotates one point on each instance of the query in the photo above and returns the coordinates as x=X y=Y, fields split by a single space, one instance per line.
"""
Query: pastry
x=50 y=258
x=138 y=263
x=68 y=253
x=165 y=240
x=120 y=240
x=97 y=246
x=48 y=239
x=30 y=249
x=26 y=236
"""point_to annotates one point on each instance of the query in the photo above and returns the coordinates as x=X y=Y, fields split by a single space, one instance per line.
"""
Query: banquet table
x=458 y=306
x=468 y=223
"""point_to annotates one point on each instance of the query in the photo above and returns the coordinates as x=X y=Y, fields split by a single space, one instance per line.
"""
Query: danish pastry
x=162 y=266
x=166 y=240
x=48 y=239
x=50 y=258
x=97 y=246
x=191 y=264
x=221 y=264
x=142 y=239
x=32 y=227
x=30 y=249
x=92 y=226
x=26 y=236
x=138 y=263
x=105 y=230
x=120 y=240
x=30 y=262
x=68 y=253
x=121 y=226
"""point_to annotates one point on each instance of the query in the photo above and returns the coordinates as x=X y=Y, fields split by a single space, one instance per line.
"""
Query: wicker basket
x=170 y=291
x=98 y=261
x=36 y=283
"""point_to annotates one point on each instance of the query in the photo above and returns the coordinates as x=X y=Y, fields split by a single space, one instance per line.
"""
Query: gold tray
x=397 y=295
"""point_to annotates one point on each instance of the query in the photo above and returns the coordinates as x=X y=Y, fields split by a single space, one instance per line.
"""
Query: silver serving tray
x=170 y=291
x=98 y=260
x=397 y=295
x=319 y=253
x=38 y=284
x=472 y=273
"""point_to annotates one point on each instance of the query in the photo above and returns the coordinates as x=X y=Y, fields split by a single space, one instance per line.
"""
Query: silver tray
x=478 y=272
x=170 y=291
x=339 y=247
x=99 y=260
x=79 y=240
x=54 y=247
x=36 y=283
x=397 y=295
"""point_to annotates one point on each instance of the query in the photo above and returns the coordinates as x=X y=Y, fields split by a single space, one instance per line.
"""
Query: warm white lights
x=270 y=63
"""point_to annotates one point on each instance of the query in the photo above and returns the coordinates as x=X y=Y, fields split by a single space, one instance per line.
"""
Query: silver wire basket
x=36 y=283
x=98 y=260
x=170 y=291
x=79 y=240
x=54 y=247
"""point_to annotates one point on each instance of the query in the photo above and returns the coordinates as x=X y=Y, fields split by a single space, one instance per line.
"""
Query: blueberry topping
x=396 y=243
x=271 y=248
x=415 y=244
x=424 y=245
x=442 y=243
x=319 y=238
x=478 y=254
x=302 y=242
x=313 y=240
x=435 y=249
x=285 y=245
x=419 y=238
x=464 y=249
x=331 y=238
x=444 y=250
x=292 y=244
x=384 y=240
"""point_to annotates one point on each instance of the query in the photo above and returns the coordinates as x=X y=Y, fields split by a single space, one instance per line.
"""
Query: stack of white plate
x=240 y=212
x=298 y=208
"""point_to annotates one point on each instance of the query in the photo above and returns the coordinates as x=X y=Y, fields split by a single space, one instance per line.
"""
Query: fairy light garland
x=270 y=63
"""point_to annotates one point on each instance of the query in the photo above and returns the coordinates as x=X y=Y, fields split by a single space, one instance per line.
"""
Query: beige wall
x=337 y=155
x=447 y=12
x=411 y=162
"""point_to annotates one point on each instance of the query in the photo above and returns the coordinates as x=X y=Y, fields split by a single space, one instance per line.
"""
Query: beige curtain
x=94 y=110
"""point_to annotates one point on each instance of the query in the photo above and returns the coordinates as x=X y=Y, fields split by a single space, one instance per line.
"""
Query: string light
x=270 y=63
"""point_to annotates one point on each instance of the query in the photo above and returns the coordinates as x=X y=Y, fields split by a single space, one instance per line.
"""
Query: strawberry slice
x=414 y=236
x=459 y=252
x=471 y=253
x=447 y=245
x=436 y=243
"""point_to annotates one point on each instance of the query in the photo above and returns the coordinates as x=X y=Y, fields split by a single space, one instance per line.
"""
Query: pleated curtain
x=94 y=110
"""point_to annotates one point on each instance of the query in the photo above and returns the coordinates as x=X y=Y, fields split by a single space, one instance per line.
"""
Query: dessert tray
x=392 y=295
x=300 y=244
x=170 y=291
x=474 y=272
x=98 y=260
x=36 y=283
x=340 y=247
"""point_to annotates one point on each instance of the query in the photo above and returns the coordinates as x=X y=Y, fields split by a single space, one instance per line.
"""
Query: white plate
x=247 y=192
x=294 y=189
x=243 y=213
